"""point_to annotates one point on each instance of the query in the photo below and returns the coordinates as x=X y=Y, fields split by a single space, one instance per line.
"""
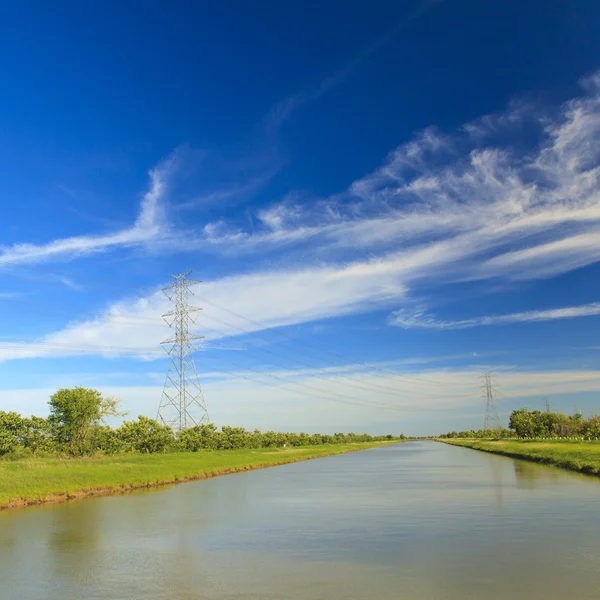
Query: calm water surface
x=419 y=520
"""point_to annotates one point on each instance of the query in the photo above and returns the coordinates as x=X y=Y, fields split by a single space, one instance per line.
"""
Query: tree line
x=75 y=426
x=527 y=424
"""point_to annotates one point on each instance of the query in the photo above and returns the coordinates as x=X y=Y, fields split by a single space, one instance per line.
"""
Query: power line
x=312 y=395
x=334 y=354
x=148 y=321
x=139 y=321
x=386 y=389
x=302 y=386
x=263 y=326
x=343 y=399
x=105 y=349
x=340 y=397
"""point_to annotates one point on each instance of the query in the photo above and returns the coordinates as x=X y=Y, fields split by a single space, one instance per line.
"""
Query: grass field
x=574 y=455
x=37 y=480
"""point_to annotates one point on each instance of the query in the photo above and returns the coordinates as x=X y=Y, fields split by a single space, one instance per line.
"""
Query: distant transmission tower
x=492 y=419
x=182 y=403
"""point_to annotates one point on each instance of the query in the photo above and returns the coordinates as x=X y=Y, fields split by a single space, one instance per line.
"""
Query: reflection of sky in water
x=419 y=520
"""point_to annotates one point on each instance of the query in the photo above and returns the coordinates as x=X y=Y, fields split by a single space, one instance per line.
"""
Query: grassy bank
x=580 y=456
x=38 y=480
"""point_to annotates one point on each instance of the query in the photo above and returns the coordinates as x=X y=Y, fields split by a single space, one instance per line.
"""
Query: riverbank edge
x=124 y=487
x=584 y=467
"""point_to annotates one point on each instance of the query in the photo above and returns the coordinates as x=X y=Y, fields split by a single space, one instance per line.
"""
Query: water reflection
x=498 y=472
x=72 y=543
x=531 y=475
x=419 y=520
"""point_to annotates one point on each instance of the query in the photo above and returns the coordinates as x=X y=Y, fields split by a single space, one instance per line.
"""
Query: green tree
x=234 y=438
x=145 y=435
x=107 y=440
x=524 y=422
x=591 y=428
x=37 y=435
x=74 y=412
x=200 y=437
x=12 y=429
x=549 y=424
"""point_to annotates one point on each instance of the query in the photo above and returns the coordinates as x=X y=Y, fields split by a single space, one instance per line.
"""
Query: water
x=415 y=521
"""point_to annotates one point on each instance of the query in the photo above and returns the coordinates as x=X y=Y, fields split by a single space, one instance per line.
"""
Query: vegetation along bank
x=37 y=480
x=71 y=453
x=576 y=455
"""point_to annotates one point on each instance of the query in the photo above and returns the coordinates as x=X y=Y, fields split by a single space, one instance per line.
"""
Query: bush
x=145 y=435
x=12 y=430
x=74 y=427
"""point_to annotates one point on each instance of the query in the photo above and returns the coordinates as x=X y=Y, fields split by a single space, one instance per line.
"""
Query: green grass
x=582 y=456
x=36 y=480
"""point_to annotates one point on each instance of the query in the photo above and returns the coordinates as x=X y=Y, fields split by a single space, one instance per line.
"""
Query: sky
x=383 y=201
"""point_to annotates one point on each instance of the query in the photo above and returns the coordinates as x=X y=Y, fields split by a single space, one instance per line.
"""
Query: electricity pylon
x=492 y=419
x=182 y=403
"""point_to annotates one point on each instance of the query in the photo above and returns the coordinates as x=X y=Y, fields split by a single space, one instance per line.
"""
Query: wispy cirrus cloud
x=150 y=225
x=270 y=298
x=284 y=109
x=225 y=196
x=497 y=210
x=442 y=208
x=505 y=208
x=420 y=319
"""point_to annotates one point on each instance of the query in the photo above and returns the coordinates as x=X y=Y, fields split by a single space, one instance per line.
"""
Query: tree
x=524 y=422
x=200 y=437
x=233 y=438
x=145 y=435
x=550 y=424
x=12 y=429
x=37 y=435
x=74 y=412
x=107 y=440
x=591 y=428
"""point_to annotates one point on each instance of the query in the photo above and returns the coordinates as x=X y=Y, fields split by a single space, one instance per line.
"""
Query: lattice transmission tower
x=182 y=402
x=492 y=419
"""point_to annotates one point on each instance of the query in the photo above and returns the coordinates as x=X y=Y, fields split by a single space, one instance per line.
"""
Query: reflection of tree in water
x=530 y=475
x=496 y=468
x=73 y=540
x=8 y=537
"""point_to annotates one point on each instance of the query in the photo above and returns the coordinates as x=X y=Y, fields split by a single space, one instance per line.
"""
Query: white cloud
x=506 y=210
x=149 y=226
x=422 y=320
x=269 y=298
x=274 y=298
x=442 y=208
x=544 y=260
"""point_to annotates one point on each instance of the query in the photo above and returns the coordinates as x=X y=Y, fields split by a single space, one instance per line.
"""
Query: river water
x=419 y=520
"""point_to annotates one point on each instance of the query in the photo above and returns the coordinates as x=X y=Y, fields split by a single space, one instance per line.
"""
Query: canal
x=419 y=520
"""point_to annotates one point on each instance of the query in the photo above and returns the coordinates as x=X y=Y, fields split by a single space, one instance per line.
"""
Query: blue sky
x=383 y=200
